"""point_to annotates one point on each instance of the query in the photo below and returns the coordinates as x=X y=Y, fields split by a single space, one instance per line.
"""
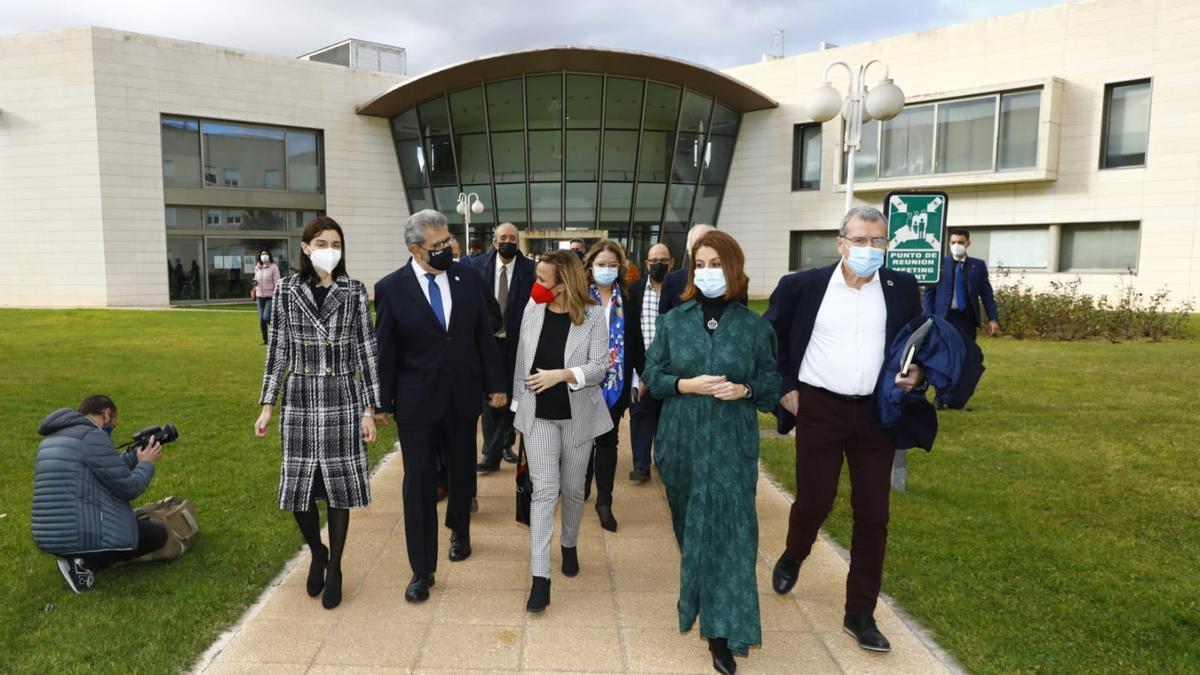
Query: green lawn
x=200 y=371
x=1056 y=526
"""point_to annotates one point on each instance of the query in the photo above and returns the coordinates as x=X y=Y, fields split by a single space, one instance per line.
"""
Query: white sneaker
x=78 y=576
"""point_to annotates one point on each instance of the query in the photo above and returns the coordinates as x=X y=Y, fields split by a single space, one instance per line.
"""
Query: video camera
x=164 y=434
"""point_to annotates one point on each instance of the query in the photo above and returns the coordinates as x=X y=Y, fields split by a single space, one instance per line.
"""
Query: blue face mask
x=864 y=260
x=710 y=281
x=604 y=275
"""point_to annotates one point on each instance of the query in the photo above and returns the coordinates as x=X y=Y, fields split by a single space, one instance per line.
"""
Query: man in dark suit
x=437 y=357
x=835 y=326
x=646 y=303
x=956 y=298
x=509 y=277
x=676 y=282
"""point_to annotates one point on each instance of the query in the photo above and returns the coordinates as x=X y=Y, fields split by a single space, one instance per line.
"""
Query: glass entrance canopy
x=637 y=158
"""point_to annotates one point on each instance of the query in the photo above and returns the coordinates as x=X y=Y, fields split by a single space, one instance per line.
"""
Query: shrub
x=1063 y=312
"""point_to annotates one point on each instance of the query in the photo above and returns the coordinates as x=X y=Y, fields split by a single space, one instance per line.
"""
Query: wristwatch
x=749 y=392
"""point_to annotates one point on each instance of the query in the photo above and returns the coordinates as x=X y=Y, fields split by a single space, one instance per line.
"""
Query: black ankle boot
x=539 y=595
x=607 y=520
x=316 y=571
x=333 y=588
x=722 y=658
x=570 y=561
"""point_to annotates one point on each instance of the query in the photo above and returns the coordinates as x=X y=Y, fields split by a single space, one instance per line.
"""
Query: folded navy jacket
x=908 y=417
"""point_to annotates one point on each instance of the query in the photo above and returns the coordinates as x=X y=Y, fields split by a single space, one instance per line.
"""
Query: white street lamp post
x=861 y=105
x=468 y=204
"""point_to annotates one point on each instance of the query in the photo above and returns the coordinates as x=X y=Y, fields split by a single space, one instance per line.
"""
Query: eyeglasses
x=440 y=246
x=658 y=261
x=877 y=242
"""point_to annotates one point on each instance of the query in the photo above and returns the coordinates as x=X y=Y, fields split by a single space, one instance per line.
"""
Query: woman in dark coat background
x=321 y=335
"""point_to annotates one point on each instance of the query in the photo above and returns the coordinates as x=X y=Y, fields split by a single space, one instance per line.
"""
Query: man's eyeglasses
x=441 y=245
x=877 y=242
x=658 y=261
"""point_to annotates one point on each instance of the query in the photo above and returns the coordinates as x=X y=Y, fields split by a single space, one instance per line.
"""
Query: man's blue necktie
x=435 y=299
x=960 y=287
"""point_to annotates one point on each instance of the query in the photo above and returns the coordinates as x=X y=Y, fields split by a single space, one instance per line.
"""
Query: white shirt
x=846 y=351
x=500 y=266
x=443 y=282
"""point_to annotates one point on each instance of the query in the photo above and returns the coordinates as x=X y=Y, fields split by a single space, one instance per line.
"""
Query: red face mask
x=540 y=294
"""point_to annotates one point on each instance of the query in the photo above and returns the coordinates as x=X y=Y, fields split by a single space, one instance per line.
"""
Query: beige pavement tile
x=656 y=650
x=353 y=670
x=387 y=604
x=642 y=574
x=497 y=575
x=572 y=609
x=458 y=647
x=371 y=643
x=789 y=652
x=233 y=668
x=499 y=546
x=640 y=609
x=782 y=613
x=291 y=602
x=571 y=647
x=273 y=640
x=468 y=605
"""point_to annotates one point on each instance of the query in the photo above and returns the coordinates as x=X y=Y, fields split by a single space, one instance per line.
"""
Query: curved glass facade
x=637 y=159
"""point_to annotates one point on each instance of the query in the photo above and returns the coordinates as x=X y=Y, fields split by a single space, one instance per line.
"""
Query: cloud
x=716 y=33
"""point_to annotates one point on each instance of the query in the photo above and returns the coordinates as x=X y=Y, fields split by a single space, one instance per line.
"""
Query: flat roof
x=731 y=91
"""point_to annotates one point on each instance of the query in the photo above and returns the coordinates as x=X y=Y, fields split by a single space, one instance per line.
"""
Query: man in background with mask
x=676 y=282
x=646 y=302
x=81 y=493
x=509 y=276
x=437 y=359
x=835 y=325
x=956 y=298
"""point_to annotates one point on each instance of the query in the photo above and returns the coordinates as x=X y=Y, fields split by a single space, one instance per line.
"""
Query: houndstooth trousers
x=555 y=465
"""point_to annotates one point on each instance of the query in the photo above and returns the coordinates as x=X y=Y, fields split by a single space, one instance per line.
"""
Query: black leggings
x=309 y=522
x=151 y=537
x=603 y=464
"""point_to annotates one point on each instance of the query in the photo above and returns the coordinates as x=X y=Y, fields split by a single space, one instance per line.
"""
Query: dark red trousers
x=828 y=428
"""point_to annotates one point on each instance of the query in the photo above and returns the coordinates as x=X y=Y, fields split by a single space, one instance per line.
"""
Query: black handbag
x=524 y=486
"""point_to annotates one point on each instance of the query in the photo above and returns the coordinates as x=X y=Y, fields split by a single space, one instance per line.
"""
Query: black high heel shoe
x=316 y=572
x=333 y=588
x=607 y=520
x=722 y=658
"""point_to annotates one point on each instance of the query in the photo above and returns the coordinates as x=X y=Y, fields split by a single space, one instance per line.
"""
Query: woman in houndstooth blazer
x=561 y=359
x=322 y=354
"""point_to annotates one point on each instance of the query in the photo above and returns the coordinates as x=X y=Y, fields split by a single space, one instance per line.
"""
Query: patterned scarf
x=614 y=381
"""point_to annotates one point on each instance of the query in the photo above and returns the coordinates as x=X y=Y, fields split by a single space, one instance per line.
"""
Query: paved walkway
x=617 y=616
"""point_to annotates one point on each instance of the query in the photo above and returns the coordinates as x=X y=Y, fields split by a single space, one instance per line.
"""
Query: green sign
x=916 y=222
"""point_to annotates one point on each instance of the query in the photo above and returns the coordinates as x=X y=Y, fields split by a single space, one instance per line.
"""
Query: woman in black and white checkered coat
x=321 y=337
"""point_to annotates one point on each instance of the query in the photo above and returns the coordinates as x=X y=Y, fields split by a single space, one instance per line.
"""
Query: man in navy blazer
x=508 y=275
x=437 y=358
x=835 y=326
x=964 y=286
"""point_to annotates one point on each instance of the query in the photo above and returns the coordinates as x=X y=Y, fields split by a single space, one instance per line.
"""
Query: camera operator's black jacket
x=82 y=488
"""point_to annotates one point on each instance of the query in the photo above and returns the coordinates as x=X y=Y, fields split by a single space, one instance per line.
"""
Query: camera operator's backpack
x=179 y=517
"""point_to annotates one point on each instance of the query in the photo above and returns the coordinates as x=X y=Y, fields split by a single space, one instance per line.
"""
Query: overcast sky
x=716 y=33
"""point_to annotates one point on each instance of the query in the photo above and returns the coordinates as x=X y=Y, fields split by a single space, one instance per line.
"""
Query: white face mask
x=264 y=258
x=325 y=259
x=958 y=250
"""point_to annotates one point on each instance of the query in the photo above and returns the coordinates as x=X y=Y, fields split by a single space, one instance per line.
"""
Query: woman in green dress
x=713 y=363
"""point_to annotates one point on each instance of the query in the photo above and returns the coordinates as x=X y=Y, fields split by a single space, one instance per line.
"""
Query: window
x=1099 y=246
x=812 y=249
x=1126 y=124
x=965 y=131
x=180 y=152
x=1024 y=247
x=230 y=148
x=997 y=132
x=1018 y=130
x=907 y=147
x=806 y=157
x=303 y=162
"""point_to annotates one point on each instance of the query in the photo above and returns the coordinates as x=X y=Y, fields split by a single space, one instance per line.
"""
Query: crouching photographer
x=82 y=489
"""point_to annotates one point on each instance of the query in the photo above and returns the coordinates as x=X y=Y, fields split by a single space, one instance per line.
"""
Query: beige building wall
x=1087 y=44
x=50 y=187
x=102 y=187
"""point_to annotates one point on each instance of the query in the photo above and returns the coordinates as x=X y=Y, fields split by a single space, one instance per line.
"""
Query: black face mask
x=658 y=271
x=507 y=250
x=441 y=260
